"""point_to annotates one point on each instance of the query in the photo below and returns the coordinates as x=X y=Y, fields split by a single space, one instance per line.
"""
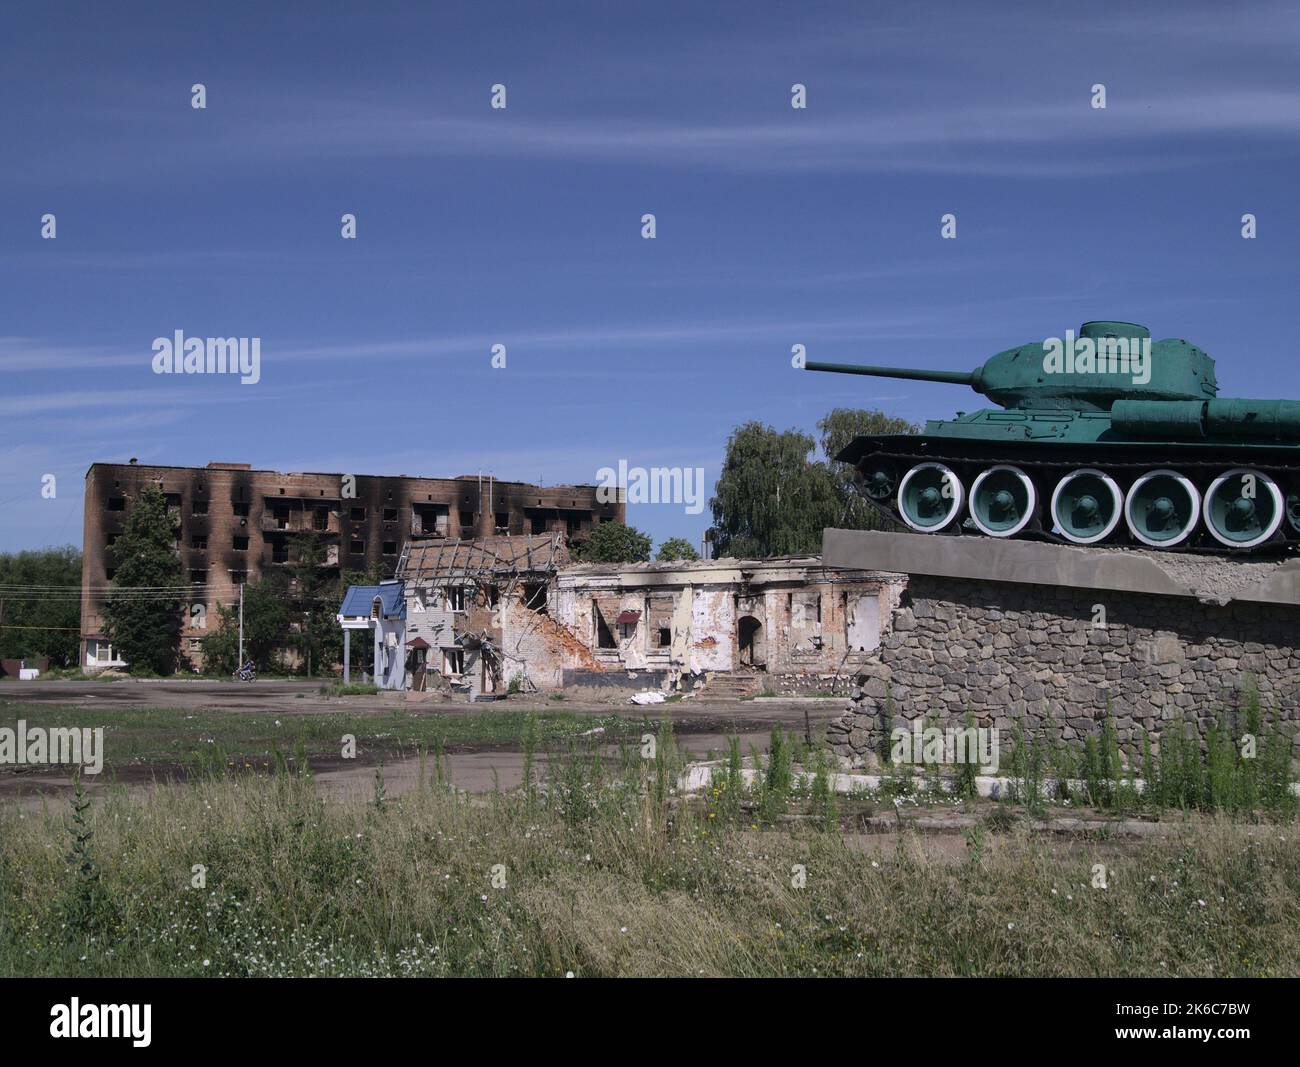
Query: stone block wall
x=1052 y=659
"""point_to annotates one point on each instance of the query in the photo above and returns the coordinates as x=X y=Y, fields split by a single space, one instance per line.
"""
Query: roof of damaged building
x=769 y=563
x=503 y=555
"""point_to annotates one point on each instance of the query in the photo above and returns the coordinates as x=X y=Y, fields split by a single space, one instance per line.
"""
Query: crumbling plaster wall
x=705 y=618
x=535 y=645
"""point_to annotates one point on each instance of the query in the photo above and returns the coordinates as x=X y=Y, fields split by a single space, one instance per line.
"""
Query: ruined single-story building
x=785 y=624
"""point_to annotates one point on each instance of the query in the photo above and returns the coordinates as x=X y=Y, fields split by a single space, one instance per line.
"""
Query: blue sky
x=522 y=227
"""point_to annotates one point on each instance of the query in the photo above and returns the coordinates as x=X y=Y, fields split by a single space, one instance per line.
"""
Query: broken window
x=279 y=552
x=198 y=577
x=429 y=520
x=660 y=620
x=358 y=514
x=390 y=548
x=534 y=596
x=805 y=610
x=238 y=577
x=240 y=509
x=198 y=507
x=455 y=598
x=320 y=519
x=199 y=542
x=537 y=524
x=503 y=522
x=453 y=660
x=117 y=503
x=493 y=595
x=240 y=544
x=390 y=514
x=356 y=547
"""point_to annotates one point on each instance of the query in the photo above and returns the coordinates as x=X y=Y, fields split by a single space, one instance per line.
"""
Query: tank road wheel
x=879 y=478
x=1293 y=509
x=1162 y=508
x=1243 y=508
x=1086 y=506
x=930 y=497
x=1002 y=501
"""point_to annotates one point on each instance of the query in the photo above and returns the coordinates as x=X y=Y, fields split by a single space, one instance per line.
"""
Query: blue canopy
x=359 y=598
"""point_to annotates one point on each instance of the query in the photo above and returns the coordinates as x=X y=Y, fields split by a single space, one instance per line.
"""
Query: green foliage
x=85 y=904
x=1241 y=772
x=964 y=784
x=727 y=789
x=837 y=430
x=266 y=619
x=676 y=548
x=822 y=792
x=145 y=629
x=887 y=728
x=773 y=498
x=780 y=774
x=313 y=594
x=612 y=542
x=45 y=627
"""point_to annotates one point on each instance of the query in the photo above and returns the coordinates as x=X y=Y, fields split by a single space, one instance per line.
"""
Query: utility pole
x=241 y=624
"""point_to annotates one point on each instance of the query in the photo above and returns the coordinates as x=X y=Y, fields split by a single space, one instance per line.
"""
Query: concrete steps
x=732 y=685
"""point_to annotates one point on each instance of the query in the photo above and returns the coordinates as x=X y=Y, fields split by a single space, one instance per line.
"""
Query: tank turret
x=1102 y=363
x=1100 y=437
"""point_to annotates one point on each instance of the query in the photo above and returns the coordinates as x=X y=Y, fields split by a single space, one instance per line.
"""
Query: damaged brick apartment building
x=233 y=524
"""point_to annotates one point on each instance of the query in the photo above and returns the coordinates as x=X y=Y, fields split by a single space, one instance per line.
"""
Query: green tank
x=1100 y=437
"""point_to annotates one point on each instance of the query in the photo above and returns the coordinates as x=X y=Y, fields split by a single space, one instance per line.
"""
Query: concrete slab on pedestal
x=1217 y=579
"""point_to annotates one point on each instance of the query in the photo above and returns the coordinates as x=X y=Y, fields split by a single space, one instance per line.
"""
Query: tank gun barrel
x=953 y=377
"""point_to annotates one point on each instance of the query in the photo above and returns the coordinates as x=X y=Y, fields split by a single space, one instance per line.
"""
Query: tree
x=612 y=542
x=314 y=597
x=142 y=615
x=45 y=619
x=771 y=499
x=839 y=428
x=266 y=620
x=676 y=548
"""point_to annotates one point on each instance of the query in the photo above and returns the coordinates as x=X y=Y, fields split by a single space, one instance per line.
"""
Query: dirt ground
x=702 y=728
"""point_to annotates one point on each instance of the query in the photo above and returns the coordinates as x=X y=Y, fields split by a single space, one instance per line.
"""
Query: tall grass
x=1239 y=769
x=621 y=881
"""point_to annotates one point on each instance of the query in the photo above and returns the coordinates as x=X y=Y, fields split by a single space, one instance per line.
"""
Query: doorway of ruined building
x=750 y=644
x=418 y=667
